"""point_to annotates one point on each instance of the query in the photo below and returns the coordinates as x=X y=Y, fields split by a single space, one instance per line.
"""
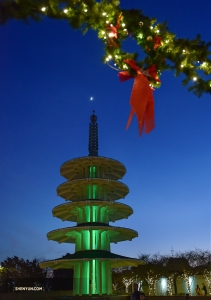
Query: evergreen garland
x=162 y=49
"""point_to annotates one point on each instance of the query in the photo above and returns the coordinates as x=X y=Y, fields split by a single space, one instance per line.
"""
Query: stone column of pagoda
x=91 y=191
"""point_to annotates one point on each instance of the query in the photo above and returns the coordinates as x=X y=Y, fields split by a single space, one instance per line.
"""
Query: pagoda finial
x=93 y=135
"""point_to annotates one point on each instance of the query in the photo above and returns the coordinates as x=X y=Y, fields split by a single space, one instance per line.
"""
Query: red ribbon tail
x=140 y=126
x=124 y=75
x=142 y=103
x=149 y=115
x=130 y=118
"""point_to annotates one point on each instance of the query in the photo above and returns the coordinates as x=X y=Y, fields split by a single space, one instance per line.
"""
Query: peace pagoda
x=91 y=193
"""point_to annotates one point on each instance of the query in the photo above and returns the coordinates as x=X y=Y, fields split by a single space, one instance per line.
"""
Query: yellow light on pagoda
x=43 y=9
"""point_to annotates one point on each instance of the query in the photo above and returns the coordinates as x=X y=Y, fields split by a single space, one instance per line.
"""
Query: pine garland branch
x=162 y=49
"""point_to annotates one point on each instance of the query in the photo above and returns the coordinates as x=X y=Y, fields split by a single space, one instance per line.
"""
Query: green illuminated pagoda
x=91 y=191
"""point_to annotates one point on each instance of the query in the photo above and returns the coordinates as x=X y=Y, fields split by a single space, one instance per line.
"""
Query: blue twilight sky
x=48 y=72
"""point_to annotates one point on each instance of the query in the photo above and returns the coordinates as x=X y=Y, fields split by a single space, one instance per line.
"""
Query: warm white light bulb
x=123 y=25
x=85 y=10
x=103 y=32
x=43 y=9
x=65 y=10
x=183 y=51
x=158 y=31
x=182 y=66
x=194 y=78
x=111 y=34
x=104 y=14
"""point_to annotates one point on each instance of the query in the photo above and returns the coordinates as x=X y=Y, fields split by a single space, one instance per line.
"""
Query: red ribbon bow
x=141 y=99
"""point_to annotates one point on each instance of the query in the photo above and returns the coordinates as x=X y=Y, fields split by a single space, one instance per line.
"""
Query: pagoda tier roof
x=69 y=211
x=68 y=261
x=69 y=234
x=74 y=168
x=72 y=190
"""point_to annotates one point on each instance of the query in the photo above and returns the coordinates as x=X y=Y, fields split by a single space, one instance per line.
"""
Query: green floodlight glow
x=94 y=213
x=92 y=191
x=92 y=172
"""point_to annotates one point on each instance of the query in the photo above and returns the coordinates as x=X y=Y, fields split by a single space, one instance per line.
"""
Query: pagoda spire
x=93 y=135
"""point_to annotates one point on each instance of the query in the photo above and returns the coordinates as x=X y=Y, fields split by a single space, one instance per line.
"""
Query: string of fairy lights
x=170 y=284
x=207 y=277
x=161 y=49
x=186 y=276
